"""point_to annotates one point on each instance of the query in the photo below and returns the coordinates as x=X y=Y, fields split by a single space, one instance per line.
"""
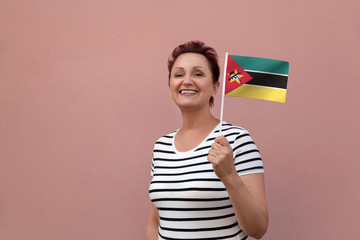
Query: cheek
x=209 y=87
x=172 y=88
x=174 y=84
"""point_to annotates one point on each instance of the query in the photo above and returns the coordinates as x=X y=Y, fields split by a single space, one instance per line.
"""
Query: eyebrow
x=193 y=67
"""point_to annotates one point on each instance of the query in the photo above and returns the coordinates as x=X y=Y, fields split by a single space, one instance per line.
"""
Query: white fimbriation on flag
x=223 y=91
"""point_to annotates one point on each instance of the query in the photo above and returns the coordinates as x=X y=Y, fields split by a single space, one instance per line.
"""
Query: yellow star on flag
x=235 y=77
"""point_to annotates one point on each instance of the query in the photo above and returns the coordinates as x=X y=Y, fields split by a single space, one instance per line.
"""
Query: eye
x=198 y=74
x=177 y=75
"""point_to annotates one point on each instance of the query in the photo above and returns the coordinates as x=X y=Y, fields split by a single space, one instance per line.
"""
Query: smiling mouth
x=188 y=92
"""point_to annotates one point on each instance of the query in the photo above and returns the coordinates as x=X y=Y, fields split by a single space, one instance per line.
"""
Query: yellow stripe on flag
x=265 y=93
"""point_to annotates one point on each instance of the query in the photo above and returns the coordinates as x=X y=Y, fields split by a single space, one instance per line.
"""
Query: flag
x=259 y=78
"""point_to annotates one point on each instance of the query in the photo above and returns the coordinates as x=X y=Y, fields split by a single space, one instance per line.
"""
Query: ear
x=216 y=87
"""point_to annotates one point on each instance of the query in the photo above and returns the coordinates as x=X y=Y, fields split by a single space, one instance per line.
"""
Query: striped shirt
x=191 y=200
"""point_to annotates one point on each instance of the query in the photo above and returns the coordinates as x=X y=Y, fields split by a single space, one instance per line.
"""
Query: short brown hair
x=200 y=48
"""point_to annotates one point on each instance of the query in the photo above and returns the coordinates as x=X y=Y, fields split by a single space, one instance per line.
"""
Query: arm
x=247 y=193
x=153 y=224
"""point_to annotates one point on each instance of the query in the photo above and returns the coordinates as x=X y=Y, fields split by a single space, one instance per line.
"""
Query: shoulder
x=247 y=157
x=233 y=132
x=237 y=136
x=164 y=143
x=166 y=139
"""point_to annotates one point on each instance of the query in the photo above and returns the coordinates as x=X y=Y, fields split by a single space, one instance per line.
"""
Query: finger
x=222 y=141
x=213 y=152
x=215 y=146
x=210 y=157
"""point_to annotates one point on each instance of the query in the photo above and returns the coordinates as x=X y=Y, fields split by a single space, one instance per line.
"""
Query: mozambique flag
x=259 y=78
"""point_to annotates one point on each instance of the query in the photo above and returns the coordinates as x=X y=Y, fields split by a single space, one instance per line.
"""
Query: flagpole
x=223 y=92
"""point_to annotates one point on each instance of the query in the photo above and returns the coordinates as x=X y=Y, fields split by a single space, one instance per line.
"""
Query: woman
x=204 y=186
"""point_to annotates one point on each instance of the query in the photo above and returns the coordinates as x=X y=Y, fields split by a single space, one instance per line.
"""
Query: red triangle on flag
x=235 y=75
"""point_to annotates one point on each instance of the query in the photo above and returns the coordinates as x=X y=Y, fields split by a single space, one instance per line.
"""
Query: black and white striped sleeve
x=247 y=157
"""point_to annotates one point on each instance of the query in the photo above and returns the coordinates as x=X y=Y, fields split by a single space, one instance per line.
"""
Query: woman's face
x=191 y=84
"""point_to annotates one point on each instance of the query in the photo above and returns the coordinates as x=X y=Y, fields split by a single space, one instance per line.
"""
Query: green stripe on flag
x=262 y=64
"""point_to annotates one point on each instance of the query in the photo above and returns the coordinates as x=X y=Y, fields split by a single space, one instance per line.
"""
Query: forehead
x=190 y=60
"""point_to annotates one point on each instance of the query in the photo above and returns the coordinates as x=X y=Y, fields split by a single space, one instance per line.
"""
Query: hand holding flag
x=221 y=157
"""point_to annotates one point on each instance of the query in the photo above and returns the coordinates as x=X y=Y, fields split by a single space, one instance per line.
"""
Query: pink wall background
x=83 y=97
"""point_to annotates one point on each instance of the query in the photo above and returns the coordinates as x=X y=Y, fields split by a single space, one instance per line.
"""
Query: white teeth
x=188 y=92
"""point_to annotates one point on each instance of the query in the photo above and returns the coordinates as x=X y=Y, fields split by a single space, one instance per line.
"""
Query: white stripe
x=279 y=74
x=264 y=86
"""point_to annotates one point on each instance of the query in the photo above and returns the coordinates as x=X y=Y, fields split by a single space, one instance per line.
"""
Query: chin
x=190 y=106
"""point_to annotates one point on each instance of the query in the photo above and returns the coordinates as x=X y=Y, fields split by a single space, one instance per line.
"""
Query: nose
x=187 y=80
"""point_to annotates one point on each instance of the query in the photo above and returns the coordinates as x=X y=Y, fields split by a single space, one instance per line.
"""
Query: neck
x=198 y=119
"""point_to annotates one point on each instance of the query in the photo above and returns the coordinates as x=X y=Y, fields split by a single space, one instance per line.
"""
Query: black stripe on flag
x=267 y=80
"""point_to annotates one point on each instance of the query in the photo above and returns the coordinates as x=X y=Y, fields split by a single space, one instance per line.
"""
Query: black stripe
x=227 y=135
x=199 y=229
x=214 y=238
x=206 y=147
x=191 y=199
x=182 y=166
x=197 y=219
x=190 y=180
x=246 y=152
x=224 y=130
x=179 y=159
x=184 y=173
x=202 y=148
x=267 y=80
x=247 y=169
x=194 y=209
x=248 y=160
x=163 y=143
x=244 y=144
x=164 y=151
x=166 y=136
x=188 y=189
x=242 y=135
